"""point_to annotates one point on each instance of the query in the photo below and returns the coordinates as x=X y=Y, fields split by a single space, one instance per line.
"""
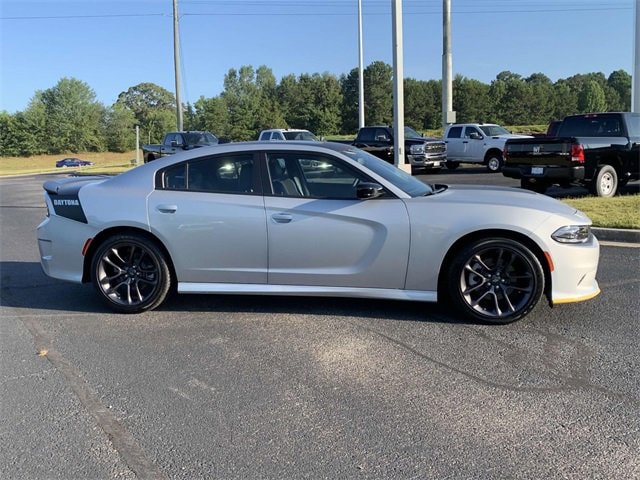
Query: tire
x=538 y=187
x=494 y=162
x=130 y=273
x=453 y=165
x=495 y=280
x=606 y=182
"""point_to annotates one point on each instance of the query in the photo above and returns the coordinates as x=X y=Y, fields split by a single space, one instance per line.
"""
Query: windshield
x=196 y=138
x=300 y=136
x=411 y=133
x=494 y=130
x=402 y=180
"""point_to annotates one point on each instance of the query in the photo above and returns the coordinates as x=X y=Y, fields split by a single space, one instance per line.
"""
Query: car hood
x=490 y=196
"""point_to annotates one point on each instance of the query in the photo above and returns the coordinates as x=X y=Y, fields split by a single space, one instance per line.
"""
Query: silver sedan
x=301 y=218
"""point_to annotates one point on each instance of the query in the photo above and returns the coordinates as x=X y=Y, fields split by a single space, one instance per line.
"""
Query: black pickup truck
x=598 y=150
x=176 y=141
x=421 y=152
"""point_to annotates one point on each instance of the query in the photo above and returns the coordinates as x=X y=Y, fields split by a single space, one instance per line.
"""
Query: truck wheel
x=606 y=182
x=453 y=165
x=494 y=162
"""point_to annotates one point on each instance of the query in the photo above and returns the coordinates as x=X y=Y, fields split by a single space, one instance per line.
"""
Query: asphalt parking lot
x=267 y=387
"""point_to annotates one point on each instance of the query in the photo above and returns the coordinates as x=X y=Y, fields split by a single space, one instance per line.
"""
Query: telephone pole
x=635 y=89
x=176 y=64
x=360 y=70
x=398 y=87
x=448 y=115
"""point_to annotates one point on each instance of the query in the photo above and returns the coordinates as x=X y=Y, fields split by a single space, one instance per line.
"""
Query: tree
x=591 y=98
x=350 y=98
x=541 y=103
x=153 y=107
x=120 y=124
x=210 y=114
x=471 y=100
x=378 y=96
x=620 y=83
x=74 y=117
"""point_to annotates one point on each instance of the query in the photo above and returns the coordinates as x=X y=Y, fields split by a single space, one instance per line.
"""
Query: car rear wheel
x=496 y=280
x=130 y=273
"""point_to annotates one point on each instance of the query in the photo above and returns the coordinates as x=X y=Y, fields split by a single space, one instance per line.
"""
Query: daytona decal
x=68 y=206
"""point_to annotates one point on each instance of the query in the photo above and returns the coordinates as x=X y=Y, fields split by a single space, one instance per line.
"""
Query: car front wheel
x=496 y=280
x=130 y=273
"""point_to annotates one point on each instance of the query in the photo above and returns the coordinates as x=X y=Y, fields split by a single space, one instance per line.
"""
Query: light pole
x=635 y=90
x=176 y=64
x=398 y=88
x=360 y=70
x=448 y=115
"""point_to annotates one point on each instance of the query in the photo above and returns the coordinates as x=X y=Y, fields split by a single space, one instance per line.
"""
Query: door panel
x=355 y=243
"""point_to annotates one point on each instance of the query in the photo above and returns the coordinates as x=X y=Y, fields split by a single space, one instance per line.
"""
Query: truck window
x=169 y=138
x=469 y=130
x=599 y=125
x=366 y=135
x=454 y=132
x=382 y=135
x=633 y=124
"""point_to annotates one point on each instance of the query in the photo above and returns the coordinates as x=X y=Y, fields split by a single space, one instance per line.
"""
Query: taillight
x=577 y=153
x=505 y=152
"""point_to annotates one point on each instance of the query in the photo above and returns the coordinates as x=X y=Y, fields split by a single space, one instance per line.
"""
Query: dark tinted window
x=596 y=125
x=367 y=135
x=311 y=175
x=222 y=174
x=454 y=132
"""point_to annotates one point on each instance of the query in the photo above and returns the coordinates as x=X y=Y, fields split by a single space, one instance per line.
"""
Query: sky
x=114 y=45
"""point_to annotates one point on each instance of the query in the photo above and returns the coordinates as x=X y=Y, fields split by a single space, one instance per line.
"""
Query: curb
x=616 y=235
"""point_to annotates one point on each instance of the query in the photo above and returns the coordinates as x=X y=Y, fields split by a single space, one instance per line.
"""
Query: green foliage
x=119 y=127
x=73 y=117
x=153 y=107
x=67 y=117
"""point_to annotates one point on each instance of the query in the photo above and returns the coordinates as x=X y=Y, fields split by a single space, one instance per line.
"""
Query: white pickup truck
x=477 y=143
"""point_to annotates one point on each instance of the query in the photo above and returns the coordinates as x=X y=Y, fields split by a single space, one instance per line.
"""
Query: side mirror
x=369 y=190
x=476 y=136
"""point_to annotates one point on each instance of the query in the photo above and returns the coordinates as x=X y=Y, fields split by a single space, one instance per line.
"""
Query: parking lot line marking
x=122 y=440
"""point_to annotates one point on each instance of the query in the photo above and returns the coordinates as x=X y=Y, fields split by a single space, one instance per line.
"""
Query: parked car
x=177 y=141
x=72 y=162
x=312 y=218
x=477 y=143
x=420 y=152
x=600 y=151
x=287 y=134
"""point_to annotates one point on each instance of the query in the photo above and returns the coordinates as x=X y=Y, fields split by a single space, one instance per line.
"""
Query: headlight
x=572 y=234
x=416 y=149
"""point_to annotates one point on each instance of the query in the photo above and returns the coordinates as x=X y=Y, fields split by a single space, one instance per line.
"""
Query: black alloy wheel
x=497 y=280
x=130 y=273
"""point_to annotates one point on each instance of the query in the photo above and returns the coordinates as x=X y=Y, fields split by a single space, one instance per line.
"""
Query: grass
x=103 y=162
x=616 y=212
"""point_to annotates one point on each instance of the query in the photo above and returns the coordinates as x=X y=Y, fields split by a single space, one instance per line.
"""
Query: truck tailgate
x=539 y=151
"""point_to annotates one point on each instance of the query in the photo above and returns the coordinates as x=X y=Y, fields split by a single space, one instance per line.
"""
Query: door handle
x=167 y=208
x=282 y=217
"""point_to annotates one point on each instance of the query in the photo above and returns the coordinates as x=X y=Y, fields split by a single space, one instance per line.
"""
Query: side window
x=470 y=130
x=309 y=175
x=367 y=135
x=382 y=135
x=169 y=138
x=223 y=174
x=179 y=140
x=454 y=132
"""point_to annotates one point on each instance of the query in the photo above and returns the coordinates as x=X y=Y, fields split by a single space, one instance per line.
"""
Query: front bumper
x=435 y=160
x=573 y=278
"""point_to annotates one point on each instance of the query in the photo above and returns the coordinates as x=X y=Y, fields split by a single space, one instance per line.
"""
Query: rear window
x=596 y=125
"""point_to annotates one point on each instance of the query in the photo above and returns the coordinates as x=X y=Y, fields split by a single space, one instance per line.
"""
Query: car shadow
x=23 y=285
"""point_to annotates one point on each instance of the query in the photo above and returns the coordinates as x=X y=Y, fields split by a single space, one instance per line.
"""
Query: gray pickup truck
x=177 y=141
x=600 y=151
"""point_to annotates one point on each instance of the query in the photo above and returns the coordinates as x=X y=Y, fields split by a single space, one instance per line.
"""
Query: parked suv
x=477 y=143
